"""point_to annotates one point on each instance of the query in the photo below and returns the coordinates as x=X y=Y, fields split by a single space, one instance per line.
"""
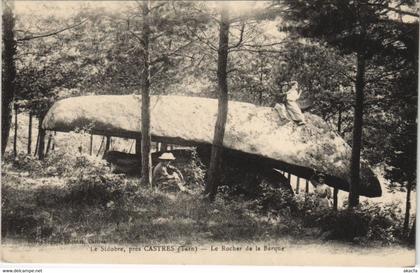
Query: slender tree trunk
x=357 y=132
x=107 y=144
x=222 y=108
x=260 y=95
x=36 y=144
x=100 y=146
x=339 y=124
x=48 y=144
x=146 y=159
x=8 y=72
x=15 y=131
x=306 y=188
x=138 y=146
x=407 y=208
x=91 y=144
x=41 y=143
x=30 y=134
x=53 y=143
x=335 y=199
x=297 y=183
x=412 y=235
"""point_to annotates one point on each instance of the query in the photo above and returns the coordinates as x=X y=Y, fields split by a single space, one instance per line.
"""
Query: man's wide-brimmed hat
x=167 y=156
x=321 y=175
x=317 y=174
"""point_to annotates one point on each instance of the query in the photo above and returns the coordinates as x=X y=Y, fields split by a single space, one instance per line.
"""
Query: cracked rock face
x=250 y=129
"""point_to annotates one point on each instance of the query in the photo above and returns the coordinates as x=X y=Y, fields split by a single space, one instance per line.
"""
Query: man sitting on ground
x=166 y=176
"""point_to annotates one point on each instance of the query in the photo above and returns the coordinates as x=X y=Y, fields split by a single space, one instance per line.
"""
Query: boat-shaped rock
x=257 y=134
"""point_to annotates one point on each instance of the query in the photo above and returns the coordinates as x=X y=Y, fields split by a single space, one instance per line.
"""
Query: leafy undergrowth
x=77 y=199
x=53 y=211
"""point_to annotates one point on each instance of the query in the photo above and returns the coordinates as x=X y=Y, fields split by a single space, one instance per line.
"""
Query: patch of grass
x=45 y=210
x=75 y=198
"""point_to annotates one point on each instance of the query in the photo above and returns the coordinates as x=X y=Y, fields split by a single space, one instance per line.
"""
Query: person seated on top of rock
x=289 y=99
x=323 y=192
x=168 y=177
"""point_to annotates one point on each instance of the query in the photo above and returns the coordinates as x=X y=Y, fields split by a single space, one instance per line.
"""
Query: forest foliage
x=98 y=56
x=94 y=49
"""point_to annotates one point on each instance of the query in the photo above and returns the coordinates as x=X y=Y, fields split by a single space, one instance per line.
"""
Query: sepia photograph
x=269 y=133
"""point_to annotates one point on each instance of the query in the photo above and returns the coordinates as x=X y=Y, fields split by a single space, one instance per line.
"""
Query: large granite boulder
x=260 y=135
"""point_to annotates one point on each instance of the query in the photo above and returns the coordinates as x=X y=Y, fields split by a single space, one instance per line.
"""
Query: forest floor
x=42 y=215
x=74 y=201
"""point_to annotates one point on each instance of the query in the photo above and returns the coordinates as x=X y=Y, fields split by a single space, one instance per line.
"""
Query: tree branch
x=162 y=58
x=231 y=70
x=257 y=50
x=136 y=36
x=240 y=37
x=210 y=45
x=396 y=10
x=43 y=35
x=155 y=73
x=381 y=76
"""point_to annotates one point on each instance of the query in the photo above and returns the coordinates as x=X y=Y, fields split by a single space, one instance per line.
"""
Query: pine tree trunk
x=335 y=196
x=15 y=131
x=48 y=144
x=222 y=108
x=260 y=95
x=146 y=159
x=90 y=144
x=36 y=144
x=357 y=132
x=138 y=146
x=412 y=235
x=53 y=143
x=335 y=199
x=8 y=72
x=407 y=208
x=107 y=144
x=100 y=146
x=30 y=134
x=41 y=143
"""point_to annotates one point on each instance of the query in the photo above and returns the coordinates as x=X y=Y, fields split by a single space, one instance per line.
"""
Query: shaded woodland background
x=356 y=62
